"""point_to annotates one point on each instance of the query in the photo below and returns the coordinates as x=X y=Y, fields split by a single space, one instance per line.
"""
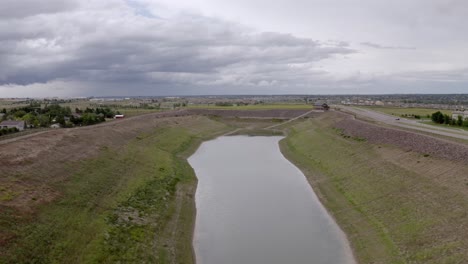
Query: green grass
x=398 y=111
x=135 y=204
x=254 y=107
x=446 y=126
x=128 y=112
x=10 y=104
x=7 y=195
x=391 y=214
x=318 y=154
x=119 y=206
x=258 y=132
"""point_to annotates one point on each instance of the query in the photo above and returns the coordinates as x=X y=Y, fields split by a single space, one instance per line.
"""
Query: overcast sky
x=192 y=47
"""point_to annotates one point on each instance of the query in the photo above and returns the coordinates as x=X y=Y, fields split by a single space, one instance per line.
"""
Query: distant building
x=12 y=124
x=463 y=114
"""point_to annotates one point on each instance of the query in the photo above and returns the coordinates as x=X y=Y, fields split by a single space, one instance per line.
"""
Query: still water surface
x=255 y=207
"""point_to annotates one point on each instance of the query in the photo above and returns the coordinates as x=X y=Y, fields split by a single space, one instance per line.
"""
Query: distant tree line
x=36 y=116
x=233 y=103
x=106 y=112
x=440 y=118
x=124 y=106
x=411 y=115
x=224 y=104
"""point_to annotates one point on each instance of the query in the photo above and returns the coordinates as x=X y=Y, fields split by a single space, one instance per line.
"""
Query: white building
x=10 y=124
x=463 y=114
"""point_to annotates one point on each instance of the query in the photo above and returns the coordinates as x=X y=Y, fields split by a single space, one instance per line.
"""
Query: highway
x=404 y=123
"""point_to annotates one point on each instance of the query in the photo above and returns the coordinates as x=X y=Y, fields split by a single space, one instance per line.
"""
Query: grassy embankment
x=395 y=206
x=129 y=205
x=253 y=107
x=136 y=203
x=400 y=111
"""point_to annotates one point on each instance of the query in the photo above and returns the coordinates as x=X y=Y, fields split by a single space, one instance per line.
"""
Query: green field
x=10 y=104
x=253 y=107
x=397 y=111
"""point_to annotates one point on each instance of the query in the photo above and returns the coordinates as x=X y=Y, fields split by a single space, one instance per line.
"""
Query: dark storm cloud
x=23 y=8
x=96 y=44
x=85 y=47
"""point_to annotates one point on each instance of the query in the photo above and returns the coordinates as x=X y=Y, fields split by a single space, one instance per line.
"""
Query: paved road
x=406 y=123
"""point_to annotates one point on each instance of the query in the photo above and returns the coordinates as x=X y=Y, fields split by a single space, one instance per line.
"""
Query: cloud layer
x=70 y=47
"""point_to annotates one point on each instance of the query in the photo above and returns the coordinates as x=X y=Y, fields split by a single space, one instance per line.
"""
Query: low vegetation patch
x=118 y=207
x=342 y=133
x=440 y=118
x=258 y=132
x=6 y=131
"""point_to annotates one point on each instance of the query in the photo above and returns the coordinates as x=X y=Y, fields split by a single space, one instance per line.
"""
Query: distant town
x=18 y=114
x=436 y=101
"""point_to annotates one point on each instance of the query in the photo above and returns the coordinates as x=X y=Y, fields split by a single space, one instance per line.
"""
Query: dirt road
x=292 y=119
x=405 y=123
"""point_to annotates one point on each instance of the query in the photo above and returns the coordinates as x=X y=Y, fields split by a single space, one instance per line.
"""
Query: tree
x=20 y=113
x=465 y=122
x=89 y=110
x=60 y=119
x=44 y=120
x=67 y=111
x=447 y=119
x=31 y=119
x=89 y=118
x=438 y=117
x=460 y=121
x=6 y=131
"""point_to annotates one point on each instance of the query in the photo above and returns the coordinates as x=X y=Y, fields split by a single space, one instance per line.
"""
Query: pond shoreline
x=285 y=232
x=350 y=252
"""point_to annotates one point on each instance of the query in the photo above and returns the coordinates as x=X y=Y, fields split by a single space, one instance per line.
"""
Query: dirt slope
x=406 y=140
